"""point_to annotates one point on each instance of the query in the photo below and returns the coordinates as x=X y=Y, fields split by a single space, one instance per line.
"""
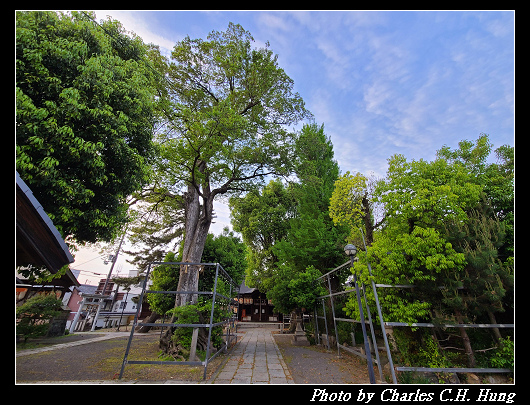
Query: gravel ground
x=102 y=361
x=315 y=365
x=84 y=362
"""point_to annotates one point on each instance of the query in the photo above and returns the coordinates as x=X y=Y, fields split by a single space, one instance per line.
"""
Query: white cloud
x=133 y=21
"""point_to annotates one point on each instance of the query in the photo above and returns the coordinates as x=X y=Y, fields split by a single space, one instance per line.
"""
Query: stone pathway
x=256 y=359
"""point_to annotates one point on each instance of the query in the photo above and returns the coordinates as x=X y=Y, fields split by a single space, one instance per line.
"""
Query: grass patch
x=146 y=348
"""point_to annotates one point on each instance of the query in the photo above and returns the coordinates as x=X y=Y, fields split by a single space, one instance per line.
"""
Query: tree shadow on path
x=315 y=365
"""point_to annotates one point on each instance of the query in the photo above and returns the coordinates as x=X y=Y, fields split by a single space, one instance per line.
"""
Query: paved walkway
x=256 y=359
x=59 y=346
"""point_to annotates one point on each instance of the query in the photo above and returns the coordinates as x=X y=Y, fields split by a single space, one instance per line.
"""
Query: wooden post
x=193 y=349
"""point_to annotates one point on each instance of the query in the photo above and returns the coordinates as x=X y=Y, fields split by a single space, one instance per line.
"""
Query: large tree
x=288 y=229
x=225 y=106
x=312 y=238
x=84 y=119
x=445 y=232
x=263 y=219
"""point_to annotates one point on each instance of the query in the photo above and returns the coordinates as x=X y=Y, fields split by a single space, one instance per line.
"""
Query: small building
x=116 y=308
x=40 y=245
x=73 y=301
x=255 y=307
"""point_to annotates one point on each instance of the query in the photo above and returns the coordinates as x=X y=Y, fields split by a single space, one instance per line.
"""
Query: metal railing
x=339 y=293
x=229 y=302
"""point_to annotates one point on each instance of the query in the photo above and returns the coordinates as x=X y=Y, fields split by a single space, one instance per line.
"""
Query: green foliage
x=504 y=356
x=40 y=275
x=432 y=356
x=85 y=116
x=422 y=258
x=33 y=316
x=298 y=290
x=228 y=250
x=127 y=282
x=198 y=313
x=156 y=225
x=496 y=178
x=346 y=201
x=312 y=239
x=303 y=290
x=262 y=218
x=425 y=193
x=290 y=235
x=225 y=105
x=353 y=206
x=164 y=277
x=448 y=231
x=486 y=279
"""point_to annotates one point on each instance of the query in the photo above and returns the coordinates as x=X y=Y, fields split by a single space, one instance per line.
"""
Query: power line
x=88 y=271
x=97 y=257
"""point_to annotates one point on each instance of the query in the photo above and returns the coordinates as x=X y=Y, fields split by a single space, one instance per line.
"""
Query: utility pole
x=107 y=281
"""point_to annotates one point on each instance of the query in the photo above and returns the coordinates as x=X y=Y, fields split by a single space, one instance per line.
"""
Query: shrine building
x=255 y=307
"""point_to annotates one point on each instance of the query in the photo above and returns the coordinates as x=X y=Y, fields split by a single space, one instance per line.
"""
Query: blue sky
x=382 y=82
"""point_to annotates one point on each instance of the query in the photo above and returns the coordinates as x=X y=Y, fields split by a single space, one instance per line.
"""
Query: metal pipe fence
x=327 y=316
x=337 y=282
x=226 y=303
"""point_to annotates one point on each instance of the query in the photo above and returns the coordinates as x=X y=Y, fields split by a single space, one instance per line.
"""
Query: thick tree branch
x=226 y=187
x=249 y=106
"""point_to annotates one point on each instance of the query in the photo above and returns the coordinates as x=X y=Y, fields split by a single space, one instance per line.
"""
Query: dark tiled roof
x=244 y=289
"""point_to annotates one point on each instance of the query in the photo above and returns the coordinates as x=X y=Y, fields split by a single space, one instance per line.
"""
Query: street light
x=351 y=251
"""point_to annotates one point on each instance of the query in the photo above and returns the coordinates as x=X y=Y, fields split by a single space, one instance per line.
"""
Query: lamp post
x=351 y=251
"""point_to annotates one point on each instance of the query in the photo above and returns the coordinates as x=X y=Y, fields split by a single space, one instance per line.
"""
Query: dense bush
x=34 y=315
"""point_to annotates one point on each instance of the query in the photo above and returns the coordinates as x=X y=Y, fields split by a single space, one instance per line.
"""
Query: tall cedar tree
x=288 y=230
x=313 y=239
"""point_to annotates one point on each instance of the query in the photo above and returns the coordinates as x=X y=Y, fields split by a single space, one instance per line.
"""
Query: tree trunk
x=496 y=331
x=467 y=344
x=152 y=319
x=292 y=324
x=367 y=219
x=198 y=221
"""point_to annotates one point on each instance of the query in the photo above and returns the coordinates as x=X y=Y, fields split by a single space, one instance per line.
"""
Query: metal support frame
x=378 y=306
x=363 y=322
x=334 y=321
x=451 y=325
x=229 y=321
x=363 y=326
x=443 y=325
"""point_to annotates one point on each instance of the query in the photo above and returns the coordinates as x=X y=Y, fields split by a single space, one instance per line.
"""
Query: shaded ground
x=102 y=361
x=315 y=365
